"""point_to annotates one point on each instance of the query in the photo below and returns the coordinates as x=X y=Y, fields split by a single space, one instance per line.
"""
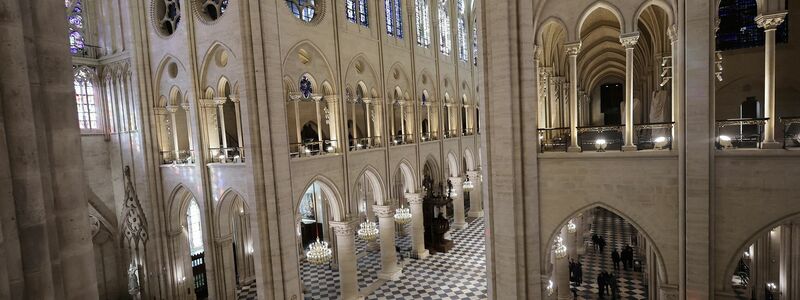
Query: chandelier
x=559 y=249
x=402 y=215
x=468 y=185
x=571 y=228
x=319 y=253
x=368 y=231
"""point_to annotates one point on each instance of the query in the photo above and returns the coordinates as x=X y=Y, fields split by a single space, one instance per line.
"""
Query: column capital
x=171 y=108
x=186 y=106
x=573 y=48
x=457 y=181
x=672 y=33
x=235 y=99
x=414 y=198
x=770 y=21
x=474 y=175
x=383 y=211
x=220 y=100
x=344 y=228
x=629 y=40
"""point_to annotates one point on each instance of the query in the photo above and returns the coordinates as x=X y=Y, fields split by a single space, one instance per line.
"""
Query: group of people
x=625 y=256
x=599 y=242
x=575 y=272
x=607 y=283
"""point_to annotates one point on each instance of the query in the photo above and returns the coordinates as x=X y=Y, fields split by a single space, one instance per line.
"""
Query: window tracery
x=423 y=23
x=445 y=43
x=305 y=10
x=394 y=18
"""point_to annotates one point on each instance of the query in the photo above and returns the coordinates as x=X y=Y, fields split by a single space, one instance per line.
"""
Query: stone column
x=475 y=196
x=186 y=109
x=579 y=227
x=572 y=51
x=390 y=269
x=236 y=104
x=673 y=38
x=368 y=116
x=770 y=24
x=175 y=148
x=628 y=41
x=459 y=219
x=571 y=241
x=346 y=252
x=562 y=271
x=417 y=226
x=402 y=119
x=220 y=101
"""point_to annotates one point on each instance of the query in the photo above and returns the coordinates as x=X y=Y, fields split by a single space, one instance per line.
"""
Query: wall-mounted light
x=660 y=142
x=600 y=145
x=726 y=142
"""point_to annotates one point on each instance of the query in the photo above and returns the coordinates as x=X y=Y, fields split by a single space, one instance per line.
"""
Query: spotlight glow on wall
x=726 y=142
x=660 y=143
x=600 y=145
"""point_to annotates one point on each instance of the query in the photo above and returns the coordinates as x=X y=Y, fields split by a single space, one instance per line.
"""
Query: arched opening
x=598 y=253
x=402 y=117
x=429 y=114
x=307 y=106
x=363 y=121
x=175 y=137
x=235 y=246
x=193 y=229
x=226 y=146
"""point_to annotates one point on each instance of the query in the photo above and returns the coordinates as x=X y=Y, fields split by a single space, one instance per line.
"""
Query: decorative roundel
x=210 y=10
x=166 y=15
x=307 y=11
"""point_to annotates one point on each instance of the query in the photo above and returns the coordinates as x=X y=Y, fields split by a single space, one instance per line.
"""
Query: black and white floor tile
x=617 y=233
x=458 y=274
x=247 y=292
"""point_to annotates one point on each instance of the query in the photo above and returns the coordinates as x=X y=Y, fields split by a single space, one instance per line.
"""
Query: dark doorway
x=611 y=95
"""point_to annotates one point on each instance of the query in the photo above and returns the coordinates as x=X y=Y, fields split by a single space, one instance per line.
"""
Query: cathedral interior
x=399 y=149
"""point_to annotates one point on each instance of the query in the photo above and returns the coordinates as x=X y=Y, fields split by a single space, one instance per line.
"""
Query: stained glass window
x=356 y=11
x=394 y=18
x=445 y=43
x=475 y=43
x=303 y=9
x=77 y=44
x=462 y=31
x=194 y=228
x=85 y=100
x=423 y=23
x=738 y=28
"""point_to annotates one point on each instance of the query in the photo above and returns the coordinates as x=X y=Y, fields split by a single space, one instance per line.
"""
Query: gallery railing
x=468 y=131
x=182 y=157
x=740 y=133
x=553 y=139
x=402 y=139
x=429 y=136
x=600 y=138
x=657 y=136
x=366 y=143
x=312 y=148
x=451 y=133
x=791 y=132
x=226 y=155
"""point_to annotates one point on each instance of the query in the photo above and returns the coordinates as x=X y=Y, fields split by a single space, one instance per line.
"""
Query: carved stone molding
x=629 y=40
x=383 y=211
x=573 y=48
x=771 y=21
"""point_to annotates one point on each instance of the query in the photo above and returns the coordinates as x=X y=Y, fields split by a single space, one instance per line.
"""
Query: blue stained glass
x=399 y=23
x=389 y=17
x=75 y=20
x=738 y=28
x=302 y=9
x=350 y=10
x=363 y=13
x=394 y=18
x=305 y=87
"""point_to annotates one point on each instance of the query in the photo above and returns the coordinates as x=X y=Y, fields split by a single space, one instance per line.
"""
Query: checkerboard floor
x=617 y=233
x=458 y=274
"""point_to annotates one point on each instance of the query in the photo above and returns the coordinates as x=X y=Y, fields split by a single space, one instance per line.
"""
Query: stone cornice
x=573 y=48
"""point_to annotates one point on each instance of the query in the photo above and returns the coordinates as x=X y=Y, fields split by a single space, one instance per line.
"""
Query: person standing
x=602 y=242
x=601 y=283
x=614 y=286
x=615 y=258
x=579 y=272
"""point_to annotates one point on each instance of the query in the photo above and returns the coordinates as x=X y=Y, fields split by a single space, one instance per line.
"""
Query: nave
x=618 y=233
x=457 y=274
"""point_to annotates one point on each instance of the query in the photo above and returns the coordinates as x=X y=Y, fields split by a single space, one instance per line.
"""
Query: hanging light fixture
x=318 y=252
x=402 y=215
x=368 y=231
x=468 y=185
x=559 y=249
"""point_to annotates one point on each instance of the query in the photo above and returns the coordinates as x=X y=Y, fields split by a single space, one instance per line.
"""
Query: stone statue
x=133 y=280
x=658 y=107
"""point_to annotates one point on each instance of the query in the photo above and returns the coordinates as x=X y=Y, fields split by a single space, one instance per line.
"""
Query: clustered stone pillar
x=346 y=254
x=220 y=101
x=572 y=51
x=629 y=42
x=475 y=202
x=390 y=271
x=43 y=202
x=417 y=226
x=174 y=125
x=770 y=24
x=571 y=241
x=459 y=218
x=562 y=270
x=676 y=128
